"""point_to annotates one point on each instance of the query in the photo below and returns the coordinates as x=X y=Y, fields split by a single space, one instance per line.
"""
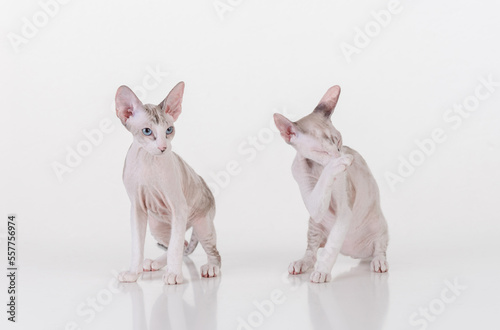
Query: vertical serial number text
x=11 y=268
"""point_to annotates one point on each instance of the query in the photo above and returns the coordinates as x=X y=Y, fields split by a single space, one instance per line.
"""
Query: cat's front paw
x=209 y=270
x=173 y=277
x=346 y=159
x=320 y=277
x=300 y=266
x=128 y=276
x=338 y=165
x=152 y=265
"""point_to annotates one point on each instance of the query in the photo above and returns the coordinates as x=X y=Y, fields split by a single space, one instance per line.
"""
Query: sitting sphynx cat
x=339 y=192
x=163 y=189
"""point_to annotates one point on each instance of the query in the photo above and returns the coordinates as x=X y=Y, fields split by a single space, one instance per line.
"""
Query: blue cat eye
x=170 y=130
x=147 y=131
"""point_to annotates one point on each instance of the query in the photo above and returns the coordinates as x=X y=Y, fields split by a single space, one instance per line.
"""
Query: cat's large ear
x=127 y=103
x=329 y=101
x=287 y=128
x=172 y=104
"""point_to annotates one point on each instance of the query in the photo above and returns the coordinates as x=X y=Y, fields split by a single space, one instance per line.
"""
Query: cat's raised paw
x=172 y=278
x=346 y=159
x=320 y=277
x=300 y=266
x=338 y=165
x=379 y=264
x=209 y=270
x=128 y=277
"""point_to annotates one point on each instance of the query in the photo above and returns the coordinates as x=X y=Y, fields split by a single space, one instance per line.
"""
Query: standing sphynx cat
x=163 y=189
x=339 y=192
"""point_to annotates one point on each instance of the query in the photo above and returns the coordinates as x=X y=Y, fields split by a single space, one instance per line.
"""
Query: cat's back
x=195 y=189
x=359 y=172
x=364 y=188
x=187 y=171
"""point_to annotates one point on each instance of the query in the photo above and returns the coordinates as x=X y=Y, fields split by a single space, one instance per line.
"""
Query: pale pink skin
x=339 y=193
x=164 y=190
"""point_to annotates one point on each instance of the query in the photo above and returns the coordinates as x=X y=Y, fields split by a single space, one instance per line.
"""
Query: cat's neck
x=310 y=163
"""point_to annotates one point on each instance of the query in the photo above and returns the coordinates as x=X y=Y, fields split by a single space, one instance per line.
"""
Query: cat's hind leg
x=193 y=243
x=379 y=262
x=315 y=237
x=161 y=232
x=154 y=265
x=160 y=262
x=204 y=230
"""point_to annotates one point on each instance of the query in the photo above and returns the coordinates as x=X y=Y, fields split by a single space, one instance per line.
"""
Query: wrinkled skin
x=339 y=193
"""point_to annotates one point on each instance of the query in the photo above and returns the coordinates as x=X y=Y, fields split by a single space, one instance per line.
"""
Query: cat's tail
x=192 y=245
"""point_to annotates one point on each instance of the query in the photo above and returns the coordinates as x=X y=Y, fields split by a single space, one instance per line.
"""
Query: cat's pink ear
x=287 y=128
x=127 y=103
x=172 y=104
x=329 y=101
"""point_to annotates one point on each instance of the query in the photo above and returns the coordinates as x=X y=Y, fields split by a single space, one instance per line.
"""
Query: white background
x=259 y=58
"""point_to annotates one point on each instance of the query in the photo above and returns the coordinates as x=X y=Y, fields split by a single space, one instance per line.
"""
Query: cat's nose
x=162 y=149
